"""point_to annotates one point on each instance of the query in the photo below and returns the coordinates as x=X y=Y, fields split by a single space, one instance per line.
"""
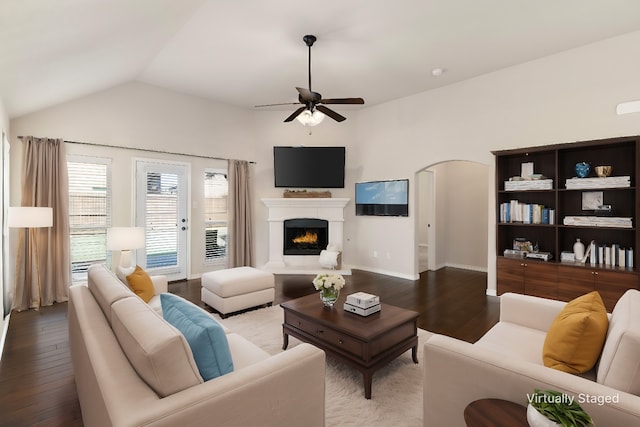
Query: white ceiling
x=249 y=52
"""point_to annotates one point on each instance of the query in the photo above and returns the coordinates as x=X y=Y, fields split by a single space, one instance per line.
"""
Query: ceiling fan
x=312 y=102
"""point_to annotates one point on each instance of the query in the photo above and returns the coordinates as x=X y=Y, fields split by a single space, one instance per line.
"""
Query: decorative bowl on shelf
x=582 y=169
x=536 y=176
x=604 y=171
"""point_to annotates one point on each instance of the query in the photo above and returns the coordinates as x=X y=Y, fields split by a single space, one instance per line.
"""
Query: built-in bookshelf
x=549 y=213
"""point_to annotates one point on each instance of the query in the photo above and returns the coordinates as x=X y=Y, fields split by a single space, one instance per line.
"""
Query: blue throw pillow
x=205 y=336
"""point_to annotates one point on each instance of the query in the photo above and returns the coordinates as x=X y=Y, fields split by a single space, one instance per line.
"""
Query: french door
x=161 y=208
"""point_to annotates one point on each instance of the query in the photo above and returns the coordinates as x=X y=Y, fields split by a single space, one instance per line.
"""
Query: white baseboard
x=5 y=329
x=467 y=267
x=301 y=270
x=388 y=272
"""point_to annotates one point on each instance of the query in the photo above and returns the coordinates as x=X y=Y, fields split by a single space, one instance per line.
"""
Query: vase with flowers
x=329 y=286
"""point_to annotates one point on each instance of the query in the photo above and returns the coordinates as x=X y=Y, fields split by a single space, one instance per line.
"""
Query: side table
x=495 y=413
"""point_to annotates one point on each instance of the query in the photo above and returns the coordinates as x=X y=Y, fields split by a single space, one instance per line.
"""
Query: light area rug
x=396 y=390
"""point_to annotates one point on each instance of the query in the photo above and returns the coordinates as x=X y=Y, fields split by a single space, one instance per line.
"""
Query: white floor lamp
x=29 y=217
x=125 y=239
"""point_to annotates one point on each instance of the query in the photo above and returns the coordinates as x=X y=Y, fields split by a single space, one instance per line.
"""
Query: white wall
x=424 y=201
x=461 y=216
x=4 y=278
x=562 y=98
x=271 y=131
x=143 y=116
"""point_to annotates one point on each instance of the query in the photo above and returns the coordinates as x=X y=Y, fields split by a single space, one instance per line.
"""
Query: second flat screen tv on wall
x=383 y=198
x=309 y=167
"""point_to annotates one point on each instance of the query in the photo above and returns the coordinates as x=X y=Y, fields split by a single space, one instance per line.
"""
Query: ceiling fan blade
x=275 y=105
x=295 y=114
x=329 y=112
x=342 y=101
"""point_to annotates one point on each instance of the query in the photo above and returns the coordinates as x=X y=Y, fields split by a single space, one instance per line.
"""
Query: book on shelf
x=529 y=184
x=598 y=221
x=526 y=213
x=611 y=255
x=590 y=183
x=567 y=256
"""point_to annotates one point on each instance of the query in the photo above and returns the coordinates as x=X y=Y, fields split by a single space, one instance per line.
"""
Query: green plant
x=560 y=408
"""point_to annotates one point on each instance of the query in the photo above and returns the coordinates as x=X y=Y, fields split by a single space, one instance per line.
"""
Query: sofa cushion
x=205 y=336
x=515 y=342
x=619 y=365
x=243 y=352
x=106 y=288
x=141 y=284
x=575 y=339
x=157 y=351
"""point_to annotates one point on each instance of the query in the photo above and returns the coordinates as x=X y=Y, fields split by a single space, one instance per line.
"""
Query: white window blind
x=162 y=222
x=89 y=212
x=216 y=190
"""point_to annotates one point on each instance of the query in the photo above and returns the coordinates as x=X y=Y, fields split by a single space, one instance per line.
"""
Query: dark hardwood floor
x=36 y=377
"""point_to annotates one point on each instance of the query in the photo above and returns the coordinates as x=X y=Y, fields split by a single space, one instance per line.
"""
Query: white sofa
x=506 y=363
x=133 y=368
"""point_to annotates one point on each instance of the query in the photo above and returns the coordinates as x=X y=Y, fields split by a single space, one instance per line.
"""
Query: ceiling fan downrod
x=309 y=40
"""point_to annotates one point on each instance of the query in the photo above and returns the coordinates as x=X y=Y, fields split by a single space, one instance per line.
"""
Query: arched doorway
x=452 y=216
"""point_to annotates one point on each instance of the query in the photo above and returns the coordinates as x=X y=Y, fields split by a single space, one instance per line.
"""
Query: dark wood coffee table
x=365 y=343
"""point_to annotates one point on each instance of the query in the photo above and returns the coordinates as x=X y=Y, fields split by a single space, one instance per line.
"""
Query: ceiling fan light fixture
x=309 y=118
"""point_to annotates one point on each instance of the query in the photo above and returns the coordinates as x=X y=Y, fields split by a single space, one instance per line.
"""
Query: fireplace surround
x=329 y=210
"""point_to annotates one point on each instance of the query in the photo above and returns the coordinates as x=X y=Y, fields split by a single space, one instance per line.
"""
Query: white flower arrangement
x=326 y=281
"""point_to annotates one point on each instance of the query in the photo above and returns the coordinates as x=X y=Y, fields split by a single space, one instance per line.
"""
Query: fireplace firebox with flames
x=305 y=236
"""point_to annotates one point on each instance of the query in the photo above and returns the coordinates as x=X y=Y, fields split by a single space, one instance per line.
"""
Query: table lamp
x=29 y=217
x=125 y=239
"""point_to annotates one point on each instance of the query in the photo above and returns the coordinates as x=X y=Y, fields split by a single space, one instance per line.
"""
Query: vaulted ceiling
x=250 y=52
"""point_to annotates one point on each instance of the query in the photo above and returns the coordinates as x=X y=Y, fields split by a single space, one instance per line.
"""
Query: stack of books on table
x=362 y=303
x=599 y=221
x=591 y=183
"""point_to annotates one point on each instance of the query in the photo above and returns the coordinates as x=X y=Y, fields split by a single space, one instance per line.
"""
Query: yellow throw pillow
x=576 y=336
x=141 y=284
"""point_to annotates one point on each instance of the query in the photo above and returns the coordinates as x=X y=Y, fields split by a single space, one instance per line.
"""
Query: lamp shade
x=29 y=217
x=309 y=118
x=125 y=238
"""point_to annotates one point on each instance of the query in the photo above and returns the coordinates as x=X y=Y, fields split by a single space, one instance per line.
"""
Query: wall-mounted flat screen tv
x=383 y=198
x=309 y=167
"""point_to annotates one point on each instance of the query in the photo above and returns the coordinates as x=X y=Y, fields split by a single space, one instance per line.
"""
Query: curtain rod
x=148 y=150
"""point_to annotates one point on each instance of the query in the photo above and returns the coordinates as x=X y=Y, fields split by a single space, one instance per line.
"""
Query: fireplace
x=283 y=209
x=305 y=236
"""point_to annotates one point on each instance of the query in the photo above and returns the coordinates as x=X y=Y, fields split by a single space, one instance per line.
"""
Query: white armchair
x=506 y=363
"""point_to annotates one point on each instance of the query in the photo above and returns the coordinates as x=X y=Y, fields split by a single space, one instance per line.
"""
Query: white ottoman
x=236 y=289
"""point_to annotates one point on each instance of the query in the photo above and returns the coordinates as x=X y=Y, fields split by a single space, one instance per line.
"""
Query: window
x=89 y=213
x=216 y=189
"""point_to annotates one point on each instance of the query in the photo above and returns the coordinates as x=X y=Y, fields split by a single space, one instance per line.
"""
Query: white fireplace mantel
x=281 y=209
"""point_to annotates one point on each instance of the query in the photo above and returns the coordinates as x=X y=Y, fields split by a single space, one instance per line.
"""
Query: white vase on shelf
x=578 y=250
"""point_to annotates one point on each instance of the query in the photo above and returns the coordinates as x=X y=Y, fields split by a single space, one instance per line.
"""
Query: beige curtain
x=240 y=248
x=46 y=255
